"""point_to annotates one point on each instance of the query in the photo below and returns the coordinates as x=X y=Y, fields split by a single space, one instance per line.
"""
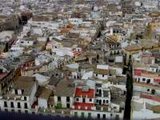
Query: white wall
x=43 y=103
x=94 y=114
x=146 y=78
x=145 y=89
x=32 y=96
x=99 y=76
x=15 y=108
x=63 y=101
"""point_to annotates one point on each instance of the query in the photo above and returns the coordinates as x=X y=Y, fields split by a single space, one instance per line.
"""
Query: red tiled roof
x=79 y=92
x=157 y=80
x=137 y=72
x=77 y=53
x=151 y=97
x=83 y=106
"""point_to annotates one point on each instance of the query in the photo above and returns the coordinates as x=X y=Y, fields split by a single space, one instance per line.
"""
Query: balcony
x=104 y=108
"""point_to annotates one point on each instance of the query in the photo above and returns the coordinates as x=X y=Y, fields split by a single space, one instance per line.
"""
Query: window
x=25 y=106
x=148 y=90
x=89 y=115
x=18 y=105
x=100 y=102
x=77 y=99
x=143 y=79
x=153 y=91
x=102 y=75
x=22 y=91
x=68 y=105
x=25 y=98
x=97 y=101
x=5 y=103
x=103 y=101
x=115 y=107
x=135 y=79
x=148 y=81
x=111 y=115
x=59 y=99
x=12 y=105
x=68 y=99
x=117 y=117
x=16 y=91
x=84 y=100
x=104 y=116
x=98 y=116
x=75 y=113
x=106 y=101
x=100 y=92
x=82 y=114
x=90 y=100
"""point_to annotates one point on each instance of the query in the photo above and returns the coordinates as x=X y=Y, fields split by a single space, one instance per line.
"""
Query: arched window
x=153 y=91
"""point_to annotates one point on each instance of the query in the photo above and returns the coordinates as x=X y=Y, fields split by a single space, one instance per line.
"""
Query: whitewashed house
x=101 y=72
x=63 y=97
x=43 y=98
x=21 y=96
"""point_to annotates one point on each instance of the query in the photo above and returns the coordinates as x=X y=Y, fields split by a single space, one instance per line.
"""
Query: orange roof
x=133 y=47
x=149 y=74
x=149 y=96
x=65 y=30
x=80 y=93
x=70 y=25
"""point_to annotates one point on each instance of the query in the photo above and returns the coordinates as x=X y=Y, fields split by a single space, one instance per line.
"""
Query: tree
x=129 y=86
x=58 y=106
